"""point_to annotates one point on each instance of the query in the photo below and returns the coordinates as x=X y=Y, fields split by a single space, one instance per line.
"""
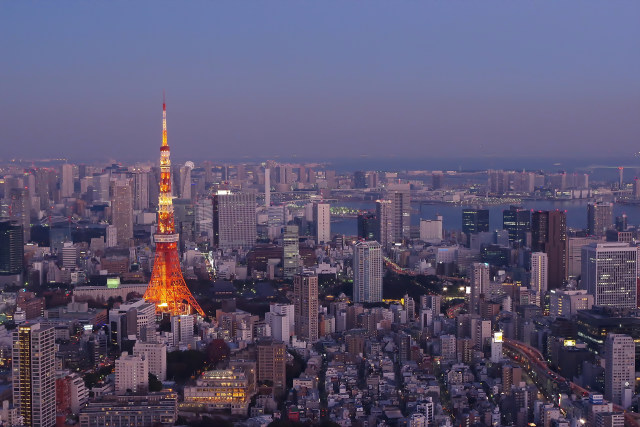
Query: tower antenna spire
x=167 y=289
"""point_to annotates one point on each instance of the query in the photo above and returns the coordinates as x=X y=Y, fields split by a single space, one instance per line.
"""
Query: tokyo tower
x=167 y=289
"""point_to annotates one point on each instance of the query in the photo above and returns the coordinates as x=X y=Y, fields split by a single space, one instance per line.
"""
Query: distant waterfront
x=452 y=214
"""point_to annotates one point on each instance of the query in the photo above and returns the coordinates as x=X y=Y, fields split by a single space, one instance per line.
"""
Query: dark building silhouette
x=474 y=221
x=517 y=222
x=549 y=235
x=368 y=226
x=11 y=248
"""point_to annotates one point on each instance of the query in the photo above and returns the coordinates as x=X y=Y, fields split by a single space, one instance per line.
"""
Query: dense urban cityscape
x=222 y=294
x=335 y=214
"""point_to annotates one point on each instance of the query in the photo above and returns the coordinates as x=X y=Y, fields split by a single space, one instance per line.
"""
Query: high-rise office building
x=291 y=251
x=184 y=214
x=474 y=221
x=141 y=190
x=479 y=281
x=204 y=218
x=11 y=251
x=272 y=362
x=619 y=371
x=367 y=272
x=20 y=209
x=400 y=196
x=609 y=273
x=66 y=187
x=599 y=218
x=33 y=372
x=234 y=220
x=185 y=180
x=539 y=273
x=574 y=254
x=368 y=226
x=132 y=374
x=122 y=210
x=42 y=187
x=549 y=235
x=322 y=222
x=305 y=301
x=384 y=212
x=517 y=222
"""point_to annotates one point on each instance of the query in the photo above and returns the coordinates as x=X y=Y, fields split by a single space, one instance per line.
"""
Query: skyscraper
x=400 y=197
x=11 y=252
x=539 y=273
x=20 y=209
x=204 y=218
x=291 y=251
x=322 y=222
x=368 y=226
x=474 y=221
x=549 y=235
x=599 y=218
x=122 y=210
x=609 y=273
x=305 y=301
x=367 y=272
x=619 y=371
x=234 y=220
x=33 y=372
x=66 y=189
x=479 y=281
x=185 y=180
x=267 y=187
x=517 y=222
x=141 y=190
x=384 y=212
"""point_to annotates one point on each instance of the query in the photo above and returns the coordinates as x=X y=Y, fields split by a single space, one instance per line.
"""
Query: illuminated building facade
x=368 y=271
x=167 y=289
x=609 y=273
x=291 y=252
x=230 y=389
x=33 y=372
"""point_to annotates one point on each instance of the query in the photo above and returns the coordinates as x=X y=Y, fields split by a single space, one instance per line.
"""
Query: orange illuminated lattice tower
x=167 y=289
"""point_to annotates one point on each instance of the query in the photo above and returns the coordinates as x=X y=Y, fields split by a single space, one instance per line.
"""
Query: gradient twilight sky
x=320 y=79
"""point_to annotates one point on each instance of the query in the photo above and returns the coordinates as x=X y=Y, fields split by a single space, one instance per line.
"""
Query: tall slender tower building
x=368 y=270
x=539 y=273
x=305 y=301
x=479 y=280
x=34 y=381
x=122 y=210
x=167 y=289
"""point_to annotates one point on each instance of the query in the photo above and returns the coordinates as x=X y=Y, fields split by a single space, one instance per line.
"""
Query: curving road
x=531 y=359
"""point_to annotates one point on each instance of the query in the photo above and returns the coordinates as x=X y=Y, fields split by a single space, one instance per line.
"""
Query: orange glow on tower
x=167 y=289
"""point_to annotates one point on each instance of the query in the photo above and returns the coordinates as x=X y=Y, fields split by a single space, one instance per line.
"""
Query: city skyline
x=372 y=214
x=299 y=81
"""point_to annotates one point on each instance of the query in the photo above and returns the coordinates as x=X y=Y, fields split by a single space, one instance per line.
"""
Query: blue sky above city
x=320 y=80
